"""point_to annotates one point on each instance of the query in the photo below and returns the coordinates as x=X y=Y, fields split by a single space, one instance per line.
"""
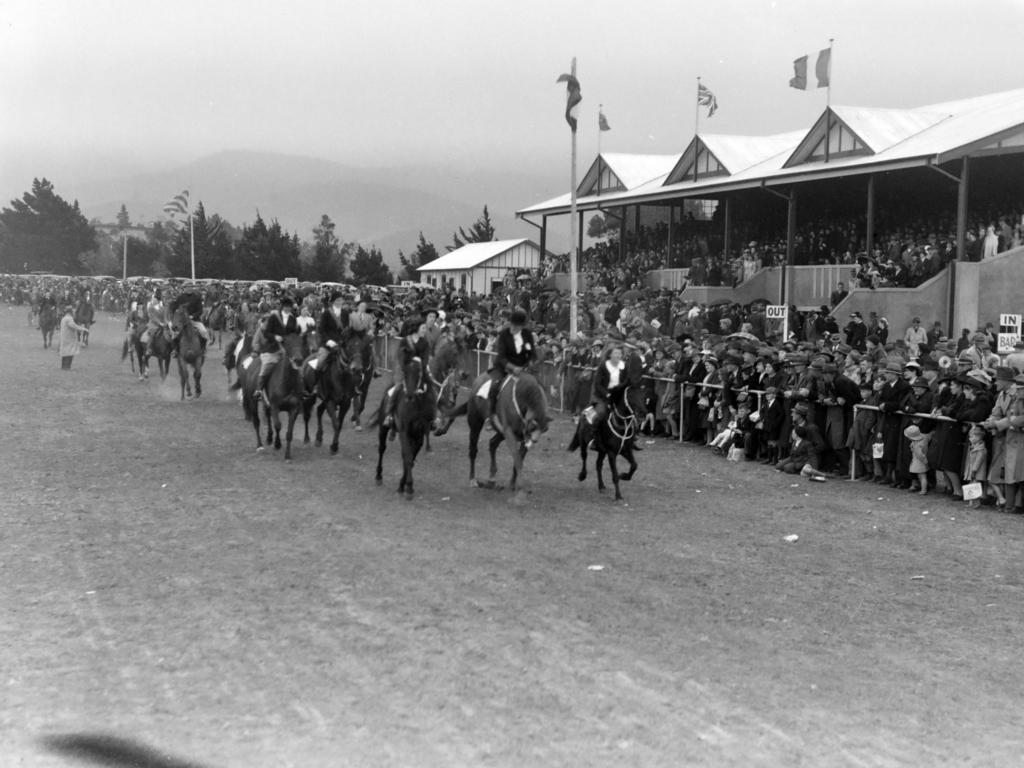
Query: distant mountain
x=386 y=207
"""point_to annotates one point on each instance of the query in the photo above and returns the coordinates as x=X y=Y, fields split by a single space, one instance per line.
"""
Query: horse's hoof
x=260 y=449
x=474 y=484
x=318 y=442
x=581 y=476
x=334 y=448
x=358 y=428
x=380 y=481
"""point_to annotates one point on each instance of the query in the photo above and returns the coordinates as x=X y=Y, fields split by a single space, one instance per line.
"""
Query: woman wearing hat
x=997 y=424
x=280 y=323
x=67 y=345
x=890 y=398
x=1013 y=459
x=413 y=343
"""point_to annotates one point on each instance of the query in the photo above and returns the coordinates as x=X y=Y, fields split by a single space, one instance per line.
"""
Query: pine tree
x=123 y=222
x=424 y=254
x=328 y=263
x=368 y=267
x=481 y=231
x=44 y=232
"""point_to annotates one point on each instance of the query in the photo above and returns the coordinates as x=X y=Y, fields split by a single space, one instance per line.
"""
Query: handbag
x=877 y=450
x=703 y=402
x=972 y=491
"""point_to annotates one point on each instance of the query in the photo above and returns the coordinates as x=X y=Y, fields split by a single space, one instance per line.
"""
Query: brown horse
x=48 y=322
x=284 y=388
x=191 y=352
x=414 y=416
x=522 y=414
x=613 y=437
x=476 y=410
x=335 y=388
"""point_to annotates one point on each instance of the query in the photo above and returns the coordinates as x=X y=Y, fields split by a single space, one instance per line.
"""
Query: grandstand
x=804 y=205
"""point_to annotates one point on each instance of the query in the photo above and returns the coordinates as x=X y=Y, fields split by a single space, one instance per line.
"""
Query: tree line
x=43 y=232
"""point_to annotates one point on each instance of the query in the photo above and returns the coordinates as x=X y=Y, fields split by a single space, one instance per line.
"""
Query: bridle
x=626 y=421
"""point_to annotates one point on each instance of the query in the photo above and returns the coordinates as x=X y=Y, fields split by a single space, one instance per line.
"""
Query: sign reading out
x=291 y=282
x=775 y=312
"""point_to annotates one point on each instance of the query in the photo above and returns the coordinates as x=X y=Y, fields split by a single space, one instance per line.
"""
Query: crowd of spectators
x=722 y=371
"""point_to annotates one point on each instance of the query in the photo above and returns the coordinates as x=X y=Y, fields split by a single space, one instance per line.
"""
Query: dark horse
x=612 y=438
x=160 y=346
x=217 y=319
x=522 y=412
x=366 y=374
x=48 y=321
x=285 y=389
x=191 y=352
x=336 y=388
x=414 y=416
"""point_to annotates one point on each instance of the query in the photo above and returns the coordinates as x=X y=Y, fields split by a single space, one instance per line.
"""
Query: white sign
x=775 y=312
x=291 y=282
x=1009 y=333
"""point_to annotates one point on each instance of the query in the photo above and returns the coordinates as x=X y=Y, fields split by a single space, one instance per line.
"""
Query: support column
x=543 y=238
x=580 y=244
x=790 y=240
x=869 y=237
x=961 y=242
x=636 y=224
x=670 y=260
x=727 y=219
x=622 y=234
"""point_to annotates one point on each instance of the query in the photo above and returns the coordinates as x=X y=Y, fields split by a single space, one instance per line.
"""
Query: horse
x=285 y=390
x=336 y=388
x=48 y=322
x=414 y=415
x=160 y=347
x=522 y=415
x=612 y=438
x=85 y=314
x=219 y=318
x=191 y=352
x=369 y=370
x=237 y=350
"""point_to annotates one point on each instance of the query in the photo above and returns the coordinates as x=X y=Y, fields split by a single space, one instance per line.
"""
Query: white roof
x=634 y=170
x=471 y=255
x=899 y=138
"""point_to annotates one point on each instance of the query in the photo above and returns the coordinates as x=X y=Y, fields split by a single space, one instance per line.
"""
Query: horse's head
x=415 y=378
x=352 y=354
x=534 y=407
x=446 y=397
x=294 y=350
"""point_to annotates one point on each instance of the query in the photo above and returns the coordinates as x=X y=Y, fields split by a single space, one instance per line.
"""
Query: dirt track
x=164 y=585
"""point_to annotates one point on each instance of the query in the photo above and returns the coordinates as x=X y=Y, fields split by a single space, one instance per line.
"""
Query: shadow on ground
x=104 y=749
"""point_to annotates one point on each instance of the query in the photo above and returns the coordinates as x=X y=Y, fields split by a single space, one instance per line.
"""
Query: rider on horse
x=330 y=330
x=515 y=349
x=361 y=325
x=193 y=306
x=613 y=375
x=156 y=314
x=280 y=323
x=413 y=344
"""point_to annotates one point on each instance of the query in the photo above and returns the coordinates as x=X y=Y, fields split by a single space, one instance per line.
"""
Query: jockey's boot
x=174 y=346
x=261 y=385
x=389 y=410
x=491 y=424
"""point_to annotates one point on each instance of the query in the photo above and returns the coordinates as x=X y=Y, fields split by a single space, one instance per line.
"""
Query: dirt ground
x=171 y=598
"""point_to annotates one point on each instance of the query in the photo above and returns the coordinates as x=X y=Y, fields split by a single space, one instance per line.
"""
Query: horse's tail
x=124 y=350
x=574 y=444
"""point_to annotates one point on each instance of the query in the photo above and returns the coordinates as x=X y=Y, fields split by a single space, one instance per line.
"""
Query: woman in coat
x=68 y=345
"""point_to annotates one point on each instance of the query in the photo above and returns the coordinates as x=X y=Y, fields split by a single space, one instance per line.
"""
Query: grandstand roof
x=471 y=255
x=888 y=139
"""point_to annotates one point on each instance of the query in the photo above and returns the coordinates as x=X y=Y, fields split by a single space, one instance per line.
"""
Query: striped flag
x=823 y=67
x=602 y=122
x=706 y=99
x=177 y=205
x=573 y=96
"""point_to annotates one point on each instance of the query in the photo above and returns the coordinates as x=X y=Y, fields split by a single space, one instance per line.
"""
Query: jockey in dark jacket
x=280 y=323
x=515 y=349
x=330 y=331
x=413 y=344
x=193 y=304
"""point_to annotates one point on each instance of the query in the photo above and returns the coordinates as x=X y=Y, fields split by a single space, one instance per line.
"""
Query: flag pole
x=600 y=111
x=124 y=256
x=192 y=238
x=573 y=255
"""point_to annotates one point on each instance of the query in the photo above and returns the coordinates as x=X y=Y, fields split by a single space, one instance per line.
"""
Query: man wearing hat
x=837 y=394
x=515 y=349
x=890 y=398
x=997 y=424
x=769 y=424
x=329 y=331
x=691 y=374
x=856 y=332
x=979 y=353
x=280 y=323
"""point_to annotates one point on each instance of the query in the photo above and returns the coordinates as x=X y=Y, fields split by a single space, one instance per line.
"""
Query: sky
x=112 y=86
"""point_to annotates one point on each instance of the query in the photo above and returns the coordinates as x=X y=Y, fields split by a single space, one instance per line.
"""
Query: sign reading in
x=1009 y=333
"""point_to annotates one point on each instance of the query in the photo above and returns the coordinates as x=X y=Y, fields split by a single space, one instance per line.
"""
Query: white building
x=479 y=267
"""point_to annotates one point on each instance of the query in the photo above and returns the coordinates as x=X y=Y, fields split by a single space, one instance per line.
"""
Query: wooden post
x=869 y=237
x=726 y=240
x=790 y=239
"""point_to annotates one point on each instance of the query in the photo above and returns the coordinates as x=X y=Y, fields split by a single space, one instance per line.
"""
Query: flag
x=177 y=204
x=602 y=122
x=573 y=97
x=706 y=99
x=823 y=67
x=799 y=79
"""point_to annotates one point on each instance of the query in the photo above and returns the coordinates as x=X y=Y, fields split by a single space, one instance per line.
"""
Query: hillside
x=384 y=206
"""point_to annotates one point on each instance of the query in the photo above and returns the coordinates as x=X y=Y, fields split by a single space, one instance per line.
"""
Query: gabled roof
x=471 y=255
x=893 y=139
x=629 y=170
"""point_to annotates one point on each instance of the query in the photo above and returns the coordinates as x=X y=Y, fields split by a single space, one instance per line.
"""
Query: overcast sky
x=144 y=84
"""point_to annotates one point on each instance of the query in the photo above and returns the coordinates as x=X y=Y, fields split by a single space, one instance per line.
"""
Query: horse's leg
x=496 y=439
x=474 y=439
x=518 y=455
x=320 y=423
x=197 y=373
x=382 y=445
x=409 y=450
x=340 y=424
x=275 y=415
x=627 y=453
x=255 y=406
x=293 y=414
x=268 y=419
x=183 y=375
x=600 y=470
x=613 y=467
x=336 y=418
x=307 y=411
x=583 y=451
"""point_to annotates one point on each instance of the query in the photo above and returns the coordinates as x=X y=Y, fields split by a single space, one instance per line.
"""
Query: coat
x=67 y=344
x=1013 y=458
x=505 y=350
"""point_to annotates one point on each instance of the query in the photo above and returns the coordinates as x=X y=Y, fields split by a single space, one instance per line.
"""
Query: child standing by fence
x=918 y=457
